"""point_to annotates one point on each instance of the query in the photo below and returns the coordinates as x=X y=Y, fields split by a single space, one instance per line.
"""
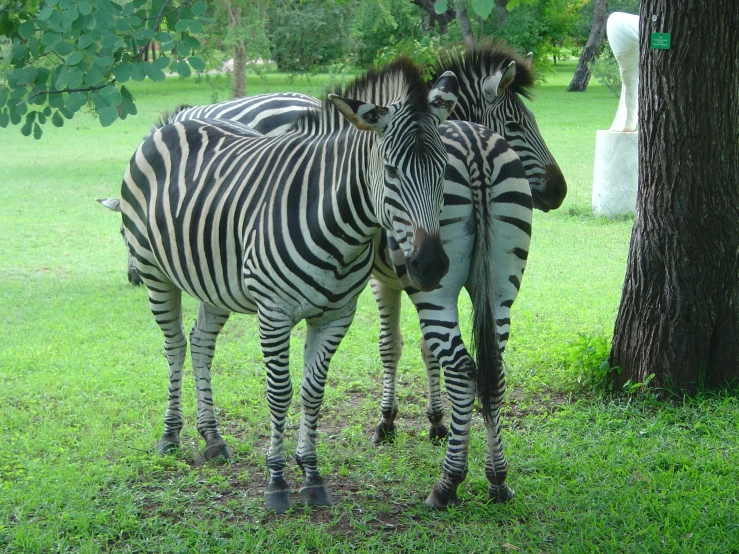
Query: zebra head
x=493 y=83
x=406 y=172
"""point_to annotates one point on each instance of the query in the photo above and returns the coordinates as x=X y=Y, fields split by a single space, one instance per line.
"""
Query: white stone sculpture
x=615 y=175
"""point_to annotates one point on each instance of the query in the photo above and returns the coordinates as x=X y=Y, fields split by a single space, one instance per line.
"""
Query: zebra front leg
x=321 y=341
x=388 y=301
x=434 y=409
x=165 y=302
x=202 y=347
x=274 y=334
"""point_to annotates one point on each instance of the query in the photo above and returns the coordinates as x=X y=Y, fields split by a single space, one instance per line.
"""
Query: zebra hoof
x=384 y=433
x=167 y=445
x=217 y=449
x=277 y=496
x=437 y=435
x=500 y=493
x=437 y=501
x=316 y=495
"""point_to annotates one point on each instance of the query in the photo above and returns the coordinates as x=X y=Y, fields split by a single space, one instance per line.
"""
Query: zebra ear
x=443 y=96
x=363 y=115
x=527 y=58
x=496 y=84
x=110 y=203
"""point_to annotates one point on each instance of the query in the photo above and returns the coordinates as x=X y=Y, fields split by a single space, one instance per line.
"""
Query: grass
x=84 y=387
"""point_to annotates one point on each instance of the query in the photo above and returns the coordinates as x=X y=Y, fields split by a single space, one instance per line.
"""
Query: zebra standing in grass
x=493 y=82
x=283 y=227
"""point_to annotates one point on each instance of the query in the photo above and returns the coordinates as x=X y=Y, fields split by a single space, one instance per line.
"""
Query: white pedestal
x=616 y=173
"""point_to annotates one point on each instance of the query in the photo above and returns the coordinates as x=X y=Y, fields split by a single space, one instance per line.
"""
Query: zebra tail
x=490 y=370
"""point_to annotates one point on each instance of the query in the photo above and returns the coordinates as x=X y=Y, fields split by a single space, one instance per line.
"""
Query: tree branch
x=444 y=18
x=85 y=89
x=159 y=17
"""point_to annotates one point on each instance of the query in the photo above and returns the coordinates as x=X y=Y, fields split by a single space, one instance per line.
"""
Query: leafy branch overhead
x=63 y=55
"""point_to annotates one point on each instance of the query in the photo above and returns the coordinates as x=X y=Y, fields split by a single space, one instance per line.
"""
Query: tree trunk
x=679 y=313
x=238 y=82
x=464 y=21
x=442 y=19
x=581 y=78
x=501 y=11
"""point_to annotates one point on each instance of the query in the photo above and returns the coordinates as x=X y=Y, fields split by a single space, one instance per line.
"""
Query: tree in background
x=597 y=34
x=61 y=55
x=679 y=314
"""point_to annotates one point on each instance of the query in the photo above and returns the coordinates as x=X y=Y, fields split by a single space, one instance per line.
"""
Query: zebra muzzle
x=428 y=262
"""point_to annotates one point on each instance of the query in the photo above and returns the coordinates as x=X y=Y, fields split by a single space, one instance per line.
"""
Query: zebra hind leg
x=202 y=347
x=438 y=432
x=391 y=345
x=274 y=334
x=496 y=467
x=165 y=302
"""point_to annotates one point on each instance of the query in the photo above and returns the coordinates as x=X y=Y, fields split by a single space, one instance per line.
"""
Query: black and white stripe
x=283 y=227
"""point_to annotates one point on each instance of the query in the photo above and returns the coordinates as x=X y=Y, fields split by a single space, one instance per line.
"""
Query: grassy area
x=84 y=389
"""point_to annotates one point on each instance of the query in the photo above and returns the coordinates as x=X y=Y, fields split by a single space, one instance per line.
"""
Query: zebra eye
x=391 y=172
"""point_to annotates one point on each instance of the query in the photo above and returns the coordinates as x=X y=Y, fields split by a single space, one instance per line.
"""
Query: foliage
x=606 y=70
x=75 y=53
x=379 y=24
x=586 y=359
x=423 y=52
x=308 y=36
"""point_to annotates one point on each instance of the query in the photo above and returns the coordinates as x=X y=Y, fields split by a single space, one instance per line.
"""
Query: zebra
x=493 y=82
x=283 y=227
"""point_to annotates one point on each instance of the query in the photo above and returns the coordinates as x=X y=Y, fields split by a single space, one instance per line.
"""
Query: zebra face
x=507 y=114
x=405 y=173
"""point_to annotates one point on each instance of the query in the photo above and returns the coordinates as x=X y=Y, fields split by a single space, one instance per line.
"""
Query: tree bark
x=464 y=21
x=501 y=11
x=679 y=313
x=238 y=81
x=581 y=78
x=442 y=19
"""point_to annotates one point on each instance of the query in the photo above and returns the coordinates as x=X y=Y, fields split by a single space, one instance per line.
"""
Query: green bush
x=606 y=71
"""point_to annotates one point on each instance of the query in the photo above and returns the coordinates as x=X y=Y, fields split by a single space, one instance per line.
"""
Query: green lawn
x=84 y=389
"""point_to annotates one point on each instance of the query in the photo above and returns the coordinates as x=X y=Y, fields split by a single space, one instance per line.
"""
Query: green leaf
x=103 y=61
x=153 y=72
x=84 y=41
x=37 y=132
x=192 y=42
x=66 y=4
x=199 y=7
x=196 y=27
x=64 y=48
x=57 y=120
x=182 y=25
x=138 y=73
x=128 y=9
x=196 y=63
x=441 y=6
x=182 y=49
x=161 y=62
x=75 y=101
x=110 y=95
x=135 y=20
x=47 y=111
x=74 y=58
x=44 y=14
x=163 y=37
x=26 y=29
x=166 y=46
x=4 y=119
x=126 y=94
x=50 y=38
x=107 y=115
x=139 y=3
x=72 y=14
x=3 y=99
x=182 y=69
x=74 y=77
x=483 y=8
x=84 y=7
x=61 y=80
x=110 y=40
x=27 y=128
x=122 y=72
x=93 y=76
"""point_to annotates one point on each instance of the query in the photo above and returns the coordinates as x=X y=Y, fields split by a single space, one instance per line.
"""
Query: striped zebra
x=493 y=82
x=283 y=227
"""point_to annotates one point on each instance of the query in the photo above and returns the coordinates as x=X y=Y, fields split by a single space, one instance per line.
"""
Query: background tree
x=62 y=55
x=679 y=313
x=581 y=78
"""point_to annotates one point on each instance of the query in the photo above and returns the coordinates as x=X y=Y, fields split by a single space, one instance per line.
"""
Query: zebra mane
x=399 y=79
x=485 y=58
x=166 y=117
